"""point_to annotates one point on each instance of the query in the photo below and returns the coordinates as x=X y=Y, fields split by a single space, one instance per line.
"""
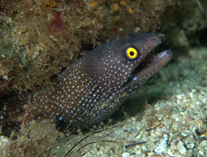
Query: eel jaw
x=147 y=69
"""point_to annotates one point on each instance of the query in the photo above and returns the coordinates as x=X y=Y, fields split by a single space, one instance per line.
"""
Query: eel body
x=94 y=86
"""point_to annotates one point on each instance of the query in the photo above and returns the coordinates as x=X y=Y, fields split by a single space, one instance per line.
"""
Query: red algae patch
x=57 y=22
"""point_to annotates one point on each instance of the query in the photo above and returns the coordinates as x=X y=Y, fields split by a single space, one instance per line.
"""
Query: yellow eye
x=131 y=53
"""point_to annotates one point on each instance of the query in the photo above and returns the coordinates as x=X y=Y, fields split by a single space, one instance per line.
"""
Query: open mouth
x=150 y=65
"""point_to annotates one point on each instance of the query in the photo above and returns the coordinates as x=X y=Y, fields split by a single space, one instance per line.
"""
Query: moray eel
x=94 y=86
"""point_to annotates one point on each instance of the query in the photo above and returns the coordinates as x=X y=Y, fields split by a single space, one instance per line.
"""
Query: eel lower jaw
x=149 y=67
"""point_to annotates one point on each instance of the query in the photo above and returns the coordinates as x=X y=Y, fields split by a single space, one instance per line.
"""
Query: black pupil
x=131 y=53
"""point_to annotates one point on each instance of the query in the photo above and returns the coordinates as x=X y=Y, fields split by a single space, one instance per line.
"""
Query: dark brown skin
x=94 y=86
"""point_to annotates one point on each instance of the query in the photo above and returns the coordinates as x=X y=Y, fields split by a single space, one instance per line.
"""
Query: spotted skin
x=94 y=86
